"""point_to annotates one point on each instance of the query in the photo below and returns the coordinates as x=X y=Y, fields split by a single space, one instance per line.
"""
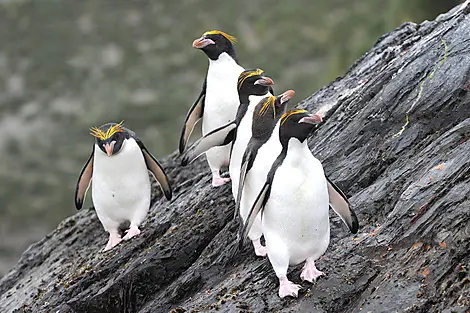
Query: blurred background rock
x=69 y=65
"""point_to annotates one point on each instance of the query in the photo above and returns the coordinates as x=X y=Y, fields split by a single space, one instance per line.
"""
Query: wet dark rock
x=410 y=190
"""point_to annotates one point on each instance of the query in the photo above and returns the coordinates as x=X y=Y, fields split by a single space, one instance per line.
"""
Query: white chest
x=256 y=177
x=300 y=180
x=244 y=133
x=222 y=100
x=265 y=158
x=120 y=183
x=297 y=208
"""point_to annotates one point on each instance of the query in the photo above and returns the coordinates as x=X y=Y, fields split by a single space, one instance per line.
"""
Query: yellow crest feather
x=269 y=102
x=98 y=133
x=230 y=38
x=246 y=74
x=286 y=115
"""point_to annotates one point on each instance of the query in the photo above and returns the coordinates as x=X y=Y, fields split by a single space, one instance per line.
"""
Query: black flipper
x=340 y=204
x=156 y=169
x=255 y=210
x=84 y=181
x=218 y=137
x=193 y=116
x=247 y=163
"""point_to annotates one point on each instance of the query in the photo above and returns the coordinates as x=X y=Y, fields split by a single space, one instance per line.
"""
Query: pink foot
x=219 y=181
x=288 y=288
x=131 y=232
x=114 y=240
x=310 y=273
x=260 y=250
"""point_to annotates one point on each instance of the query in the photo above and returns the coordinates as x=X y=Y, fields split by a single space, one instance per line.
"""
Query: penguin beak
x=109 y=148
x=312 y=119
x=286 y=96
x=202 y=43
x=265 y=81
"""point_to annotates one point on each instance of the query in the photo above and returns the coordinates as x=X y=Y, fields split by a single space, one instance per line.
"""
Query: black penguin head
x=110 y=137
x=298 y=124
x=267 y=112
x=214 y=43
x=253 y=82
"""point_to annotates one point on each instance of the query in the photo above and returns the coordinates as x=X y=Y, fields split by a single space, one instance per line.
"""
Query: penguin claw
x=289 y=289
x=114 y=240
x=310 y=273
x=131 y=232
x=260 y=250
x=219 y=181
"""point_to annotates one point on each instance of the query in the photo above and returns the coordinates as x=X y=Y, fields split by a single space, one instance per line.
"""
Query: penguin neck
x=296 y=149
x=253 y=100
x=248 y=103
x=224 y=58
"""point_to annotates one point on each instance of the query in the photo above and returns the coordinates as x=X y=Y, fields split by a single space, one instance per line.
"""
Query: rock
x=396 y=139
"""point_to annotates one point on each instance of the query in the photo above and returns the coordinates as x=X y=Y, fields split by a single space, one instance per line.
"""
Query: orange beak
x=286 y=96
x=265 y=81
x=109 y=149
x=202 y=42
x=312 y=119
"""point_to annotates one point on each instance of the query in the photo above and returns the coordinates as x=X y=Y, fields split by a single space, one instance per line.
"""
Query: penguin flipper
x=247 y=162
x=84 y=180
x=194 y=115
x=218 y=137
x=258 y=205
x=156 y=169
x=340 y=204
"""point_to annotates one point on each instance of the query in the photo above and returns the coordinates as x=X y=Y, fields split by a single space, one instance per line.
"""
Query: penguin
x=261 y=151
x=293 y=204
x=119 y=165
x=265 y=112
x=252 y=86
x=218 y=101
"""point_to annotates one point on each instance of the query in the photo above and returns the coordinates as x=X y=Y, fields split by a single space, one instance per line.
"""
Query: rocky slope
x=396 y=139
x=65 y=68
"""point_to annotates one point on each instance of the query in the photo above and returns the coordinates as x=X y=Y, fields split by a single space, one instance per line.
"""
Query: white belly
x=296 y=214
x=244 y=133
x=221 y=103
x=120 y=185
x=256 y=178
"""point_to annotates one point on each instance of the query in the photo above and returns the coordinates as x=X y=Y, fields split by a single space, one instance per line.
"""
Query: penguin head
x=268 y=111
x=110 y=137
x=253 y=82
x=214 y=43
x=298 y=124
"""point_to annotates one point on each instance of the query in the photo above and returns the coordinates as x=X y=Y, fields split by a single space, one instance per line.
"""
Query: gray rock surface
x=410 y=190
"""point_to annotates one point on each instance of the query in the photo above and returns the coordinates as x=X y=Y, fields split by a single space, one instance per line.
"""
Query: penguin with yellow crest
x=261 y=151
x=218 y=100
x=293 y=204
x=118 y=172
